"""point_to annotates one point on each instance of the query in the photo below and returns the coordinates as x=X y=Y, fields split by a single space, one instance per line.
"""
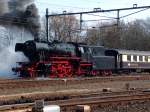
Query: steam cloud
x=21 y=19
x=8 y=56
x=21 y=13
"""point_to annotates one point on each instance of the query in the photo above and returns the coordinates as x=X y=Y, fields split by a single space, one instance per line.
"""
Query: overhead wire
x=68 y=1
x=24 y=21
x=55 y=5
x=86 y=1
x=13 y=19
x=134 y=13
x=102 y=16
x=95 y=20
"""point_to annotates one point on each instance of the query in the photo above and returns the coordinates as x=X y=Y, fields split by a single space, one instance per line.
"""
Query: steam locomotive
x=61 y=59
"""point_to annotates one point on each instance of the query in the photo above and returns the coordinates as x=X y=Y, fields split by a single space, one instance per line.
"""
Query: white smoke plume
x=20 y=21
x=8 y=57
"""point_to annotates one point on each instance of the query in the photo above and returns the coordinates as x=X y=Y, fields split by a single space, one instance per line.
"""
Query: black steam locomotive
x=60 y=59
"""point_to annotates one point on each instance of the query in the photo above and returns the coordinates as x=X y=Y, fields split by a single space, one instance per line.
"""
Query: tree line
x=134 y=35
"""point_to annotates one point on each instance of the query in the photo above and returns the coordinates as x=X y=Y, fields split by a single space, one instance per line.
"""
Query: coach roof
x=130 y=52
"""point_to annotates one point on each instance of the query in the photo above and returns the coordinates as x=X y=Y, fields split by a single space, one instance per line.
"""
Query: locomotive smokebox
x=19 y=47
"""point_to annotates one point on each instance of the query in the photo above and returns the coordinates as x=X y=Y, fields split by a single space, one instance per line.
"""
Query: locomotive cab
x=101 y=64
x=85 y=52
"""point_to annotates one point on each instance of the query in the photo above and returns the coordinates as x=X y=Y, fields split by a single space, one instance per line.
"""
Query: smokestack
x=21 y=13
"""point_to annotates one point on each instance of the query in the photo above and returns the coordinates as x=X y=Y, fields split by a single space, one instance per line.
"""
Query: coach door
x=119 y=61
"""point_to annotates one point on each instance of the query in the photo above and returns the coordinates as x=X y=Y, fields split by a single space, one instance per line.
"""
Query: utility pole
x=118 y=18
x=118 y=27
x=81 y=22
x=47 y=25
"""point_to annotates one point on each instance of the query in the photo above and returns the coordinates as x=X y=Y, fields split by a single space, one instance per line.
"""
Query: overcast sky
x=87 y=5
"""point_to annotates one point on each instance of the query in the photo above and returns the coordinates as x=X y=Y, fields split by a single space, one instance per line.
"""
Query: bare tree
x=106 y=34
x=64 y=28
x=134 y=35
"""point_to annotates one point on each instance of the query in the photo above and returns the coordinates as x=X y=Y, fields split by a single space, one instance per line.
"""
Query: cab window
x=81 y=50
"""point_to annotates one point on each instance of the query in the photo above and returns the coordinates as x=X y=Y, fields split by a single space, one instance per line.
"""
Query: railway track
x=90 y=100
x=54 y=96
x=31 y=97
x=24 y=83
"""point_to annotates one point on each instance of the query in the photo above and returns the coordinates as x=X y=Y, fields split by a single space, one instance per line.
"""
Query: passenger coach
x=130 y=60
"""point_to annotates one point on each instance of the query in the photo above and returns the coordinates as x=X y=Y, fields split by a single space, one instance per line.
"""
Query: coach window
x=141 y=58
x=146 y=58
x=124 y=58
x=134 y=58
x=128 y=58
